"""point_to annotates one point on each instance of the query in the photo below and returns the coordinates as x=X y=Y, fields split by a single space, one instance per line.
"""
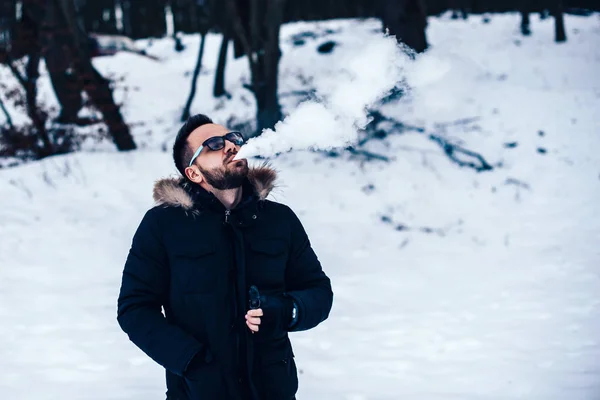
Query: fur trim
x=171 y=191
x=263 y=179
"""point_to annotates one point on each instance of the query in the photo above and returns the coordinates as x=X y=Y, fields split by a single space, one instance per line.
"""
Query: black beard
x=223 y=179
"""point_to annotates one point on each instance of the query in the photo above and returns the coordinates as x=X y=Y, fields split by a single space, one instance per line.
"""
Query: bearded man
x=217 y=276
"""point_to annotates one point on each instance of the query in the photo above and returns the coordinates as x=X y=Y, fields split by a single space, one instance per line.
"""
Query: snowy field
x=449 y=284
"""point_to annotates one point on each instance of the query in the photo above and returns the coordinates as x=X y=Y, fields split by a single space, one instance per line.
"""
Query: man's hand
x=276 y=318
x=253 y=319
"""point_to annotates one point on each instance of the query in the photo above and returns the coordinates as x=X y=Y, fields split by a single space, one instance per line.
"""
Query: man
x=233 y=272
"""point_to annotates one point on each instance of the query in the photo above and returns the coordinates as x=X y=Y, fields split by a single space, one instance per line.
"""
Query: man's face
x=216 y=167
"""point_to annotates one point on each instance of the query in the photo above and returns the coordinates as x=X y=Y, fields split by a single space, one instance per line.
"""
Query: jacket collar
x=177 y=192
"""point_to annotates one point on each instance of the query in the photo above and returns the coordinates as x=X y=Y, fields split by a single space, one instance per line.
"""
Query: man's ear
x=193 y=174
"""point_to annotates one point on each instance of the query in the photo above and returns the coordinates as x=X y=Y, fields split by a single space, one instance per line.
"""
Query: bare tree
x=258 y=33
x=96 y=86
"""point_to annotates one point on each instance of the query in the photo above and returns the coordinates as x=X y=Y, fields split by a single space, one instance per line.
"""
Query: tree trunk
x=66 y=84
x=23 y=35
x=8 y=21
x=219 y=87
x=260 y=43
x=38 y=119
x=182 y=18
x=97 y=88
x=559 y=22
x=525 y=6
x=268 y=111
x=456 y=6
x=29 y=84
x=144 y=18
x=186 y=110
x=126 y=18
x=99 y=16
x=407 y=21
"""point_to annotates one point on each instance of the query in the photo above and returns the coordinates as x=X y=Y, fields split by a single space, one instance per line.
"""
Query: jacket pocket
x=205 y=382
x=277 y=374
x=279 y=379
x=195 y=268
x=267 y=261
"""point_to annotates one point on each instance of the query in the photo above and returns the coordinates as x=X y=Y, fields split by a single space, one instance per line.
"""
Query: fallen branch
x=363 y=153
x=404 y=228
x=374 y=132
x=303 y=93
x=452 y=150
x=370 y=156
x=462 y=121
x=518 y=183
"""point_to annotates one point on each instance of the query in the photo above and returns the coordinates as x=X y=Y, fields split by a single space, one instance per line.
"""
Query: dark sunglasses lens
x=235 y=137
x=215 y=143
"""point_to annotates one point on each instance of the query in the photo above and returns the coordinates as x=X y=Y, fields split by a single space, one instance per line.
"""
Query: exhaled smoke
x=334 y=121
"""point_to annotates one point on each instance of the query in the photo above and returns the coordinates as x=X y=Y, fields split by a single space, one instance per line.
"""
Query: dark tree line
x=59 y=32
x=146 y=18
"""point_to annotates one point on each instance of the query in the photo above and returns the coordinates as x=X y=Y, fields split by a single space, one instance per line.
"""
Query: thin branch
x=188 y=105
x=22 y=80
x=7 y=115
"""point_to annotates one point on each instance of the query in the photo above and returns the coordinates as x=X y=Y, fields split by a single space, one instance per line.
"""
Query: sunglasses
x=218 y=142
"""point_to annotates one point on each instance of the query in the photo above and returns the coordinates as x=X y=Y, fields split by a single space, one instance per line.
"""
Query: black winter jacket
x=184 y=290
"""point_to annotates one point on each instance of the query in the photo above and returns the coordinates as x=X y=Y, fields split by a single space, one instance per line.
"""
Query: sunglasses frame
x=223 y=139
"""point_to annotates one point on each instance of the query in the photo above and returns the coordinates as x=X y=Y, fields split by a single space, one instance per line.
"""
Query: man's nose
x=230 y=147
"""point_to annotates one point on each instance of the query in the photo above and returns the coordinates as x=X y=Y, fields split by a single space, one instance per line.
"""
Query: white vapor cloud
x=333 y=122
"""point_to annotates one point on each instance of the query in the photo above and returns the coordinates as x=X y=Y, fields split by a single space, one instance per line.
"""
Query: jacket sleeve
x=306 y=282
x=144 y=290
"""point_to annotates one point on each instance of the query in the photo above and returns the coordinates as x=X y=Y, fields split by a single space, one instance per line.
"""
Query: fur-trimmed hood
x=172 y=192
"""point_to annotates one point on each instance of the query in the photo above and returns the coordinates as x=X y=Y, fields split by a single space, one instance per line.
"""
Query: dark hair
x=182 y=153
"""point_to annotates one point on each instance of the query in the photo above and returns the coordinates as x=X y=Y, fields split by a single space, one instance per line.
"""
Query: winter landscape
x=457 y=275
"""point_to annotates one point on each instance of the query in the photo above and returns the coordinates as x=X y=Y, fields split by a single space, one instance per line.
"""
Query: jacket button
x=254 y=216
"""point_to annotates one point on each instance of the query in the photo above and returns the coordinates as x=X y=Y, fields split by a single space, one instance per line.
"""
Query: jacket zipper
x=227 y=214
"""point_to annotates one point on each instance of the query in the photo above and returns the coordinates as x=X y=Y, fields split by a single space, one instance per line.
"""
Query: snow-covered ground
x=449 y=284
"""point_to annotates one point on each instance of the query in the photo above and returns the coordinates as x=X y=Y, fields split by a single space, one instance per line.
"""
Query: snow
x=499 y=301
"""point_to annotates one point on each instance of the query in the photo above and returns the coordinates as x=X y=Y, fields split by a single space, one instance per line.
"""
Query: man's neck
x=230 y=198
